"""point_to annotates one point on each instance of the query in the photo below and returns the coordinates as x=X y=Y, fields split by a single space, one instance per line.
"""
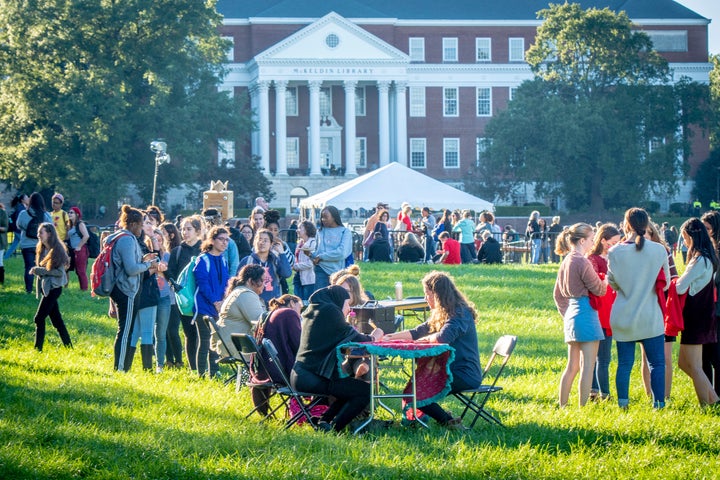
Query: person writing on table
x=316 y=371
x=452 y=321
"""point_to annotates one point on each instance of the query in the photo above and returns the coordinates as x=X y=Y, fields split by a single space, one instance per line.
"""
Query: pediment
x=332 y=38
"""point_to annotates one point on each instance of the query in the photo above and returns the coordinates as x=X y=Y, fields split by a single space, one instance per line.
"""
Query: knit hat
x=59 y=197
x=77 y=212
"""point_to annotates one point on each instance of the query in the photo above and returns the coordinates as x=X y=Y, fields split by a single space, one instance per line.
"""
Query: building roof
x=453 y=10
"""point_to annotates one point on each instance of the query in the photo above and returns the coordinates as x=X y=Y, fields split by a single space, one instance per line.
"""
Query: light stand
x=161 y=156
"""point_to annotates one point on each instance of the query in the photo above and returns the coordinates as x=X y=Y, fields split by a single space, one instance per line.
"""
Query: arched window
x=296 y=196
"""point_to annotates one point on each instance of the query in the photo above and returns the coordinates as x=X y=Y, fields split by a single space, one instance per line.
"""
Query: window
x=450 y=102
x=517 y=50
x=416 y=49
x=230 y=52
x=292 y=152
x=325 y=102
x=484 y=101
x=229 y=90
x=482 y=145
x=291 y=102
x=417 y=153
x=482 y=50
x=669 y=40
x=226 y=153
x=655 y=144
x=450 y=49
x=451 y=152
x=513 y=92
x=417 y=101
x=361 y=152
x=359 y=101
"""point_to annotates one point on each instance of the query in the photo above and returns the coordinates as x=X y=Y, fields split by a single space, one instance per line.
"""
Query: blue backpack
x=187 y=288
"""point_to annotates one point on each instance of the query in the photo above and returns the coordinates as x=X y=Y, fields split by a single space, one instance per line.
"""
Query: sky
x=708 y=9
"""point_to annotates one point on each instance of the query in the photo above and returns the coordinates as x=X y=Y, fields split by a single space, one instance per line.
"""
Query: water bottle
x=398 y=291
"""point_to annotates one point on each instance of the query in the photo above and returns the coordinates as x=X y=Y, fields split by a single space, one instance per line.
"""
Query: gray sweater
x=127 y=260
x=636 y=313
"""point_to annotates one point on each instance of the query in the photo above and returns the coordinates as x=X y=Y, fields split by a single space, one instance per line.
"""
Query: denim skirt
x=581 y=322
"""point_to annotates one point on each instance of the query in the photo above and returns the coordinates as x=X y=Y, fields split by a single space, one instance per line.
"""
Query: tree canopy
x=599 y=123
x=86 y=85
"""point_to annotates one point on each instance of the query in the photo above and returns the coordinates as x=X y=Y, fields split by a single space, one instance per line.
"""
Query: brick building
x=341 y=87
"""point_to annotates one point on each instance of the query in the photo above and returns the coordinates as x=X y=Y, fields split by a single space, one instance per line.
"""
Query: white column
x=280 y=128
x=350 y=167
x=314 y=144
x=401 y=122
x=383 y=123
x=255 y=134
x=264 y=125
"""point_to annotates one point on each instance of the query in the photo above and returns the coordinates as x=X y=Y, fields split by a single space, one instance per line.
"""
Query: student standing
x=51 y=262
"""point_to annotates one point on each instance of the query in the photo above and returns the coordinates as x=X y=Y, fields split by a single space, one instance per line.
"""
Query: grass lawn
x=66 y=414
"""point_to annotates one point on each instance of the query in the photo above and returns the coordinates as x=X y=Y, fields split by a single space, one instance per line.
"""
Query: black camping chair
x=247 y=345
x=474 y=400
x=235 y=361
x=306 y=401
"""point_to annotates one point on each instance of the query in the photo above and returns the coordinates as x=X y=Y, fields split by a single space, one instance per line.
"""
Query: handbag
x=369 y=239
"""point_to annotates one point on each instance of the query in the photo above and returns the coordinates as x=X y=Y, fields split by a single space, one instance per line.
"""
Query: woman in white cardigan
x=636 y=315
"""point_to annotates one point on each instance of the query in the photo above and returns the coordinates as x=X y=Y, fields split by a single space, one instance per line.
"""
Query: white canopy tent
x=394 y=184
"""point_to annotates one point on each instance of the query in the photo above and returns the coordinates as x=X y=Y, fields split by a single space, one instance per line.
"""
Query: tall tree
x=599 y=123
x=86 y=85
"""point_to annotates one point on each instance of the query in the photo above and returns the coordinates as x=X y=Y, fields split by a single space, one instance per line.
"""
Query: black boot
x=129 y=355
x=146 y=351
x=2 y=275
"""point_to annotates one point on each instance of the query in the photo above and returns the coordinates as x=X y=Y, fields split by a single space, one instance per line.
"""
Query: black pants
x=125 y=313
x=711 y=363
x=174 y=345
x=49 y=307
x=439 y=414
x=467 y=252
x=191 y=340
x=352 y=395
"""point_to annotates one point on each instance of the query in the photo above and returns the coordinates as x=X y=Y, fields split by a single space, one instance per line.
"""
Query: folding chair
x=306 y=401
x=234 y=360
x=503 y=349
x=247 y=345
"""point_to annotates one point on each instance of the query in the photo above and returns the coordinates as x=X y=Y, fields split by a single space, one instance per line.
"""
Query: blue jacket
x=277 y=266
x=211 y=278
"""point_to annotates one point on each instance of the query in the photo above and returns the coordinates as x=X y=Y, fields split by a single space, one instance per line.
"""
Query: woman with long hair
x=410 y=250
x=191 y=229
x=452 y=321
x=279 y=247
x=28 y=222
x=242 y=306
x=633 y=269
x=257 y=219
x=211 y=277
x=711 y=351
x=130 y=265
x=699 y=310
x=52 y=261
x=78 y=237
x=576 y=280
x=606 y=237
x=304 y=279
x=276 y=266
x=334 y=245
x=168 y=348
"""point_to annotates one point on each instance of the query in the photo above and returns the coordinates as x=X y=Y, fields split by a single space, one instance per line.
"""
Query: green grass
x=66 y=414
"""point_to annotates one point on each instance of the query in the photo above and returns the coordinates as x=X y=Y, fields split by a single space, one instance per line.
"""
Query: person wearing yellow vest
x=59 y=216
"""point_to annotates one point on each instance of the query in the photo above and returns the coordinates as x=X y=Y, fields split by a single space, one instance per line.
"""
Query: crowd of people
x=614 y=283
x=621 y=284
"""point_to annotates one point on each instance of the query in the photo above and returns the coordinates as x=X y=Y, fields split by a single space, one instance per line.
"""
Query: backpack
x=102 y=275
x=31 y=231
x=186 y=288
x=93 y=243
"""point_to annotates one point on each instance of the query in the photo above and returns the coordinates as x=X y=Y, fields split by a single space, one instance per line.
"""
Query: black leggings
x=191 y=340
x=352 y=395
x=49 y=307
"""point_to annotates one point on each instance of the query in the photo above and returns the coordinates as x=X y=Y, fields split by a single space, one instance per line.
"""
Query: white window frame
x=291 y=102
x=655 y=143
x=360 y=106
x=326 y=92
x=451 y=103
x=230 y=53
x=449 y=49
x=669 y=40
x=481 y=101
x=292 y=152
x=512 y=92
x=226 y=151
x=416 y=49
x=361 y=152
x=451 y=146
x=481 y=146
x=417 y=101
x=516 y=49
x=483 y=49
x=418 y=146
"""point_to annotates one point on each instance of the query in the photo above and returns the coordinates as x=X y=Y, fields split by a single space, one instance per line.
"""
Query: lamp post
x=161 y=156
